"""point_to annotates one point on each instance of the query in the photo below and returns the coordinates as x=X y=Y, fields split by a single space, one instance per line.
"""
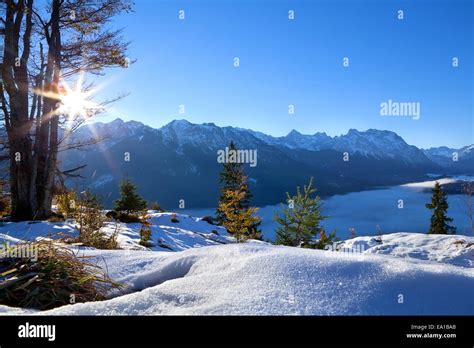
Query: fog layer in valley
x=375 y=210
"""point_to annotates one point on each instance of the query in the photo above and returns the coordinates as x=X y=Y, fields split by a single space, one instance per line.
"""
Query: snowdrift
x=453 y=249
x=210 y=274
x=260 y=279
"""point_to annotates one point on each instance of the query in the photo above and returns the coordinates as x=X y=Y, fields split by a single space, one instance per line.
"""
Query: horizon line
x=270 y=135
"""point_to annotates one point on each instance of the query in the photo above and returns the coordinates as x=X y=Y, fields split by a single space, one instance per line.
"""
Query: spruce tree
x=235 y=199
x=130 y=201
x=439 y=220
x=300 y=219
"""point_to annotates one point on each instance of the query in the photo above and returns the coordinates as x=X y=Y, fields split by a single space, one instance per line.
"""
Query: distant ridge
x=178 y=160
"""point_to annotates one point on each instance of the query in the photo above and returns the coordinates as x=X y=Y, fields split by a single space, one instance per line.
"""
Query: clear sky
x=190 y=62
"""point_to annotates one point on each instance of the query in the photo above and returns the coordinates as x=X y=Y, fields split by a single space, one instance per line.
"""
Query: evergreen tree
x=155 y=206
x=130 y=201
x=323 y=240
x=299 y=221
x=90 y=220
x=240 y=222
x=439 y=220
x=89 y=214
x=145 y=233
x=232 y=178
x=235 y=199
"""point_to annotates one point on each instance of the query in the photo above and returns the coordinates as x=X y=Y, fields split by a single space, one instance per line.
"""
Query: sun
x=74 y=101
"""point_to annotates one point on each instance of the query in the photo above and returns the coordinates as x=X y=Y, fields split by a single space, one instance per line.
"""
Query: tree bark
x=48 y=146
x=18 y=124
x=32 y=130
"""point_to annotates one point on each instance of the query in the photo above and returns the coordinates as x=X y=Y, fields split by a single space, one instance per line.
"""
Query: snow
x=260 y=279
x=442 y=181
x=429 y=184
x=378 y=209
x=15 y=232
x=372 y=142
x=378 y=143
x=210 y=274
x=444 y=151
x=450 y=249
x=188 y=232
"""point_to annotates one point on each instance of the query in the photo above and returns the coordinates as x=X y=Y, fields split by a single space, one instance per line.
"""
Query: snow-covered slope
x=380 y=144
x=444 y=151
x=114 y=130
x=182 y=156
x=450 y=249
x=188 y=232
x=260 y=279
x=444 y=155
x=210 y=274
x=377 y=143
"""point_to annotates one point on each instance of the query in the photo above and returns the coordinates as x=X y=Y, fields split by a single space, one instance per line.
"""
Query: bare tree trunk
x=18 y=124
x=35 y=115
x=23 y=206
x=48 y=146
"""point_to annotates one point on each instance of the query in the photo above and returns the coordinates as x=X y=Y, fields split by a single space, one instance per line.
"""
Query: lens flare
x=74 y=102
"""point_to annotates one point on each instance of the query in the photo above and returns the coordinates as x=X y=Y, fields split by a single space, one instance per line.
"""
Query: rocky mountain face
x=179 y=161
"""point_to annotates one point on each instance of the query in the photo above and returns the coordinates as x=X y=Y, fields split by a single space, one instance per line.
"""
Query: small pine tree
x=323 y=240
x=234 y=180
x=90 y=215
x=239 y=222
x=130 y=201
x=439 y=220
x=90 y=220
x=145 y=233
x=299 y=221
x=233 y=177
x=155 y=206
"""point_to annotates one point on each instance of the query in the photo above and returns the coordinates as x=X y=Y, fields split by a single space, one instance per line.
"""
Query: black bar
x=192 y=330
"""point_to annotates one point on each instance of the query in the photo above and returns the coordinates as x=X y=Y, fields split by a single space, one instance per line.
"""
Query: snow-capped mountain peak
x=372 y=142
x=178 y=124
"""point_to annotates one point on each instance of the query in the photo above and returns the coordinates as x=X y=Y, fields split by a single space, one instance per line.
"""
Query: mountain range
x=179 y=161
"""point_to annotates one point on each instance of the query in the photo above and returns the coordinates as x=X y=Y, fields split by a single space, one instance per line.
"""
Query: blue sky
x=190 y=62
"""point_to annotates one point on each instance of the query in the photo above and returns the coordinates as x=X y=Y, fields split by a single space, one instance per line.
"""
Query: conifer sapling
x=439 y=220
x=300 y=219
